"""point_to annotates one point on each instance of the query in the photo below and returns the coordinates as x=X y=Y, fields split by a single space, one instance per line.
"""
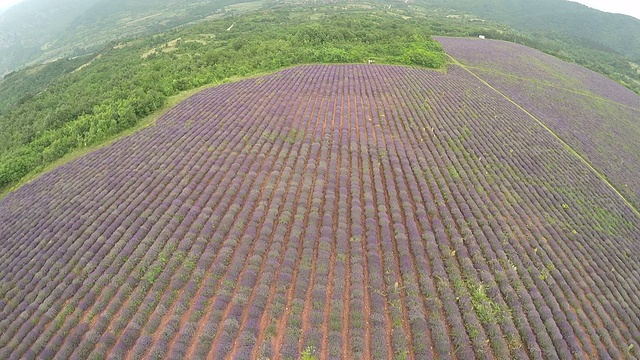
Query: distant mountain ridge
x=46 y=17
x=37 y=31
x=27 y=26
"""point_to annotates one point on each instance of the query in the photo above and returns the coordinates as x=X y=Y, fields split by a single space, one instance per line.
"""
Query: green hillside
x=85 y=102
x=46 y=111
x=566 y=19
x=36 y=31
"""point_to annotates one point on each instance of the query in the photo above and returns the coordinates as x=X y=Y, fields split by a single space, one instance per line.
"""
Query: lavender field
x=596 y=116
x=346 y=211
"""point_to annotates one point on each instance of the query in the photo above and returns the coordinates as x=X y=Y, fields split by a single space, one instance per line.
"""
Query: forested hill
x=27 y=28
x=43 y=30
x=46 y=111
x=37 y=31
x=589 y=27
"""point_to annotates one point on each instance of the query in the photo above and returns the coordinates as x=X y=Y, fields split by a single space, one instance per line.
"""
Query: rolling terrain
x=338 y=211
x=569 y=20
x=40 y=31
x=49 y=111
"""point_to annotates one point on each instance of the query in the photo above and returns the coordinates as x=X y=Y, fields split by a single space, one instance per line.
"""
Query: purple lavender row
x=593 y=114
x=436 y=202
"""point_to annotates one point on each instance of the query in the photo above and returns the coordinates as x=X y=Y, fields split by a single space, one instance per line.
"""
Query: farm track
x=368 y=268
x=597 y=117
x=453 y=268
x=298 y=286
x=588 y=94
x=569 y=147
x=573 y=152
x=351 y=211
x=327 y=126
x=289 y=226
x=546 y=128
x=181 y=293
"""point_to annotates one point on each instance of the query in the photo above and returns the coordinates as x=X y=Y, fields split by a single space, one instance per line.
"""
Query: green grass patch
x=487 y=310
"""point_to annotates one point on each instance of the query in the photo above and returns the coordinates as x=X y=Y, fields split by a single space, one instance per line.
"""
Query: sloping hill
x=597 y=117
x=591 y=27
x=341 y=211
x=37 y=31
x=28 y=26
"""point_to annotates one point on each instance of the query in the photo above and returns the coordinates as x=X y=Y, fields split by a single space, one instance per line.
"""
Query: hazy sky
x=7 y=3
x=629 y=7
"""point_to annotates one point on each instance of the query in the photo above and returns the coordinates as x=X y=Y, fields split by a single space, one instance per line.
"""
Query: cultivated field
x=596 y=116
x=346 y=211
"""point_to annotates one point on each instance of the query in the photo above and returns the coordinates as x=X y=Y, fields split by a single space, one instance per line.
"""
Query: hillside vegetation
x=37 y=31
x=105 y=94
x=47 y=111
x=464 y=19
x=337 y=211
x=566 y=20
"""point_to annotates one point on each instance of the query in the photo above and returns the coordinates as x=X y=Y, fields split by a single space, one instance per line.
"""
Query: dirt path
x=388 y=201
x=544 y=126
x=281 y=324
x=566 y=145
x=167 y=317
x=270 y=199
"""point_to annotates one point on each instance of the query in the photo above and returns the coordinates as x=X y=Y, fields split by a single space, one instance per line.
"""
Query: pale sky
x=4 y=4
x=7 y=3
x=629 y=7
